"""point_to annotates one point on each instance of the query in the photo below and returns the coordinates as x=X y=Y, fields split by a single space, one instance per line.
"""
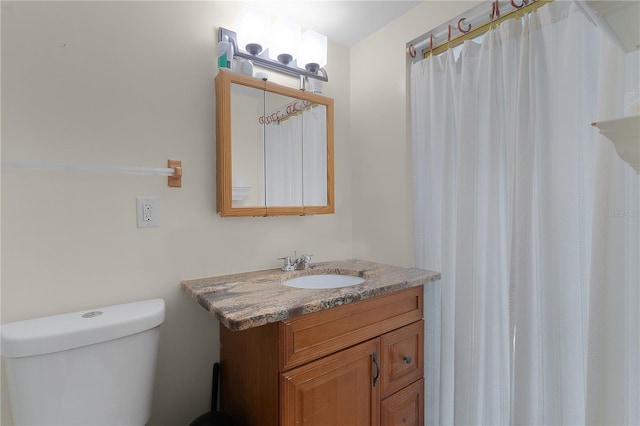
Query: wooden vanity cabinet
x=355 y=364
x=334 y=390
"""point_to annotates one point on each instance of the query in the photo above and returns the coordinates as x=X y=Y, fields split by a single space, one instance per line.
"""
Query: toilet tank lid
x=67 y=331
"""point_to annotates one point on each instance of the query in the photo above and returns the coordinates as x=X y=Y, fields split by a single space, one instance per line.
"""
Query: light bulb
x=253 y=28
x=285 y=41
x=313 y=53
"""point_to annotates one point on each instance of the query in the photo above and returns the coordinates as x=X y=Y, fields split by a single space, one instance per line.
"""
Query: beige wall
x=122 y=83
x=131 y=83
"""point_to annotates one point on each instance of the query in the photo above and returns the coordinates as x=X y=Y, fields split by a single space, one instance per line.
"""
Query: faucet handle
x=288 y=266
x=306 y=259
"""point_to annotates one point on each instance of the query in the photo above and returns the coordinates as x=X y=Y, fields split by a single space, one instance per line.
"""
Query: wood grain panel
x=402 y=357
x=405 y=408
x=249 y=375
x=335 y=390
x=310 y=336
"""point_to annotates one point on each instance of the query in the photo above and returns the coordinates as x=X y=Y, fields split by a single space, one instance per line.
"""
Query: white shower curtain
x=509 y=205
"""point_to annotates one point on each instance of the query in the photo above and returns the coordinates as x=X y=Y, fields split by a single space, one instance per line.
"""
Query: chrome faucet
x=301 y=262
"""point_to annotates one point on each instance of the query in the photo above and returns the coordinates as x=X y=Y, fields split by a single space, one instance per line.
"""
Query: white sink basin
x=323 y=281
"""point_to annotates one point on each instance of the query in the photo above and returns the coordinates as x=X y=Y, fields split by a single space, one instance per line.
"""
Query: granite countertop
x=251 y=299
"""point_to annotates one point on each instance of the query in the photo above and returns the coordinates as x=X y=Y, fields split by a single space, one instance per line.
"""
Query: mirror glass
x=279 y=151
x=247 y=105
x=295 y=152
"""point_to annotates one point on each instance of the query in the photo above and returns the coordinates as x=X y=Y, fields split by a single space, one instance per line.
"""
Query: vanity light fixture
x=278 y=47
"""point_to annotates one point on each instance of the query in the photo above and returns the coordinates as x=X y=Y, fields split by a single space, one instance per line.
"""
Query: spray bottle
x=223 y=47
x=230 y=53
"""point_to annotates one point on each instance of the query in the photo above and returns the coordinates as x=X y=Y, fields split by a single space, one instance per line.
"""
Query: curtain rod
x=296 y=113
x=469 y=28
x=285 y=111
x=280 y=116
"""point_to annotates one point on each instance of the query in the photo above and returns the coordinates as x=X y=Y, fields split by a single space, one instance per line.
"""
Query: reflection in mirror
x=295 y=148
x=314 y=159
x=283 y=150
x=247 y=104
x=279 y=147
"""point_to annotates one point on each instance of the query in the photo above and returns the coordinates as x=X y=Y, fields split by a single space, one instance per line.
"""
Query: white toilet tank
x=87 y=368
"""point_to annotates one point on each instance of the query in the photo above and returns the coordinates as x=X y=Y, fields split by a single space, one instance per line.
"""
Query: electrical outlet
x=147 y=212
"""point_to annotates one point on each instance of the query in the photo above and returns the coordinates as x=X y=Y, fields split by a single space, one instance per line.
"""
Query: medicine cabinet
x=274 y=148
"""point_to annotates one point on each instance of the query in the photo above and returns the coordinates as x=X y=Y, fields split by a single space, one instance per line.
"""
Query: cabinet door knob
x=406 y=359
x=404 y=420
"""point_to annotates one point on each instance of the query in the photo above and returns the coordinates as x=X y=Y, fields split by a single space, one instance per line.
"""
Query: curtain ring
x=515 y=6
x=460 y=26
x=495 y=10
x=411 y=51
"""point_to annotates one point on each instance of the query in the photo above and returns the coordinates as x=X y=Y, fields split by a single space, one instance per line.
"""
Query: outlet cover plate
x=147 y=212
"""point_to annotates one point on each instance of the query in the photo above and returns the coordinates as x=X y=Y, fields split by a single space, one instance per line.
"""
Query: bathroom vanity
x=340 y=356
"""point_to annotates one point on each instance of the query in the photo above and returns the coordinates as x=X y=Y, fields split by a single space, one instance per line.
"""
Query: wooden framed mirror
x=274 y=148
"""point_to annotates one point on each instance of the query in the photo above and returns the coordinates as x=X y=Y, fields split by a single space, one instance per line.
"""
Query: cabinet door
x=341 y=389
x=404 y=408
x=402 y=353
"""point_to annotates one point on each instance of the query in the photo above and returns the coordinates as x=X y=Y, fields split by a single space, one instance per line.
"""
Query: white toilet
x=85 y=368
